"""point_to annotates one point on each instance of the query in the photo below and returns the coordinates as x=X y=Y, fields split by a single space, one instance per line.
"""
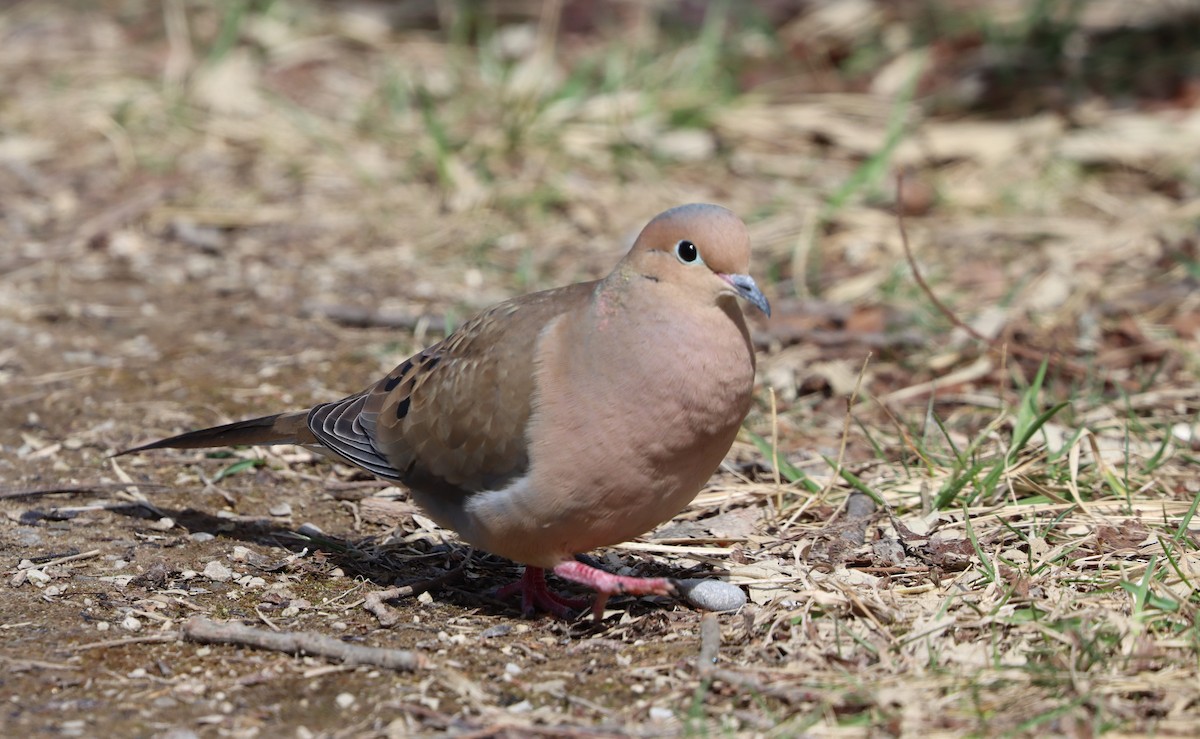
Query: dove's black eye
x=686 y=252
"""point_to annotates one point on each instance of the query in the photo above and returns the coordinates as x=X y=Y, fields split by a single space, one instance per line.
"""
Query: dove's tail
x=281 y=428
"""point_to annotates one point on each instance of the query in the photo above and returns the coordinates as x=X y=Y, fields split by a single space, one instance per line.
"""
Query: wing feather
x=452 y=418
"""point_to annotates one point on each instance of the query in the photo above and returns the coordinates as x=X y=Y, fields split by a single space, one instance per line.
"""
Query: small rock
x=310 y=529
x=512 y=668
x=711 y=595
x=658 y=713
x=166 y=523
x=217 y=572
x=201 y=536
x=280 y=509
x=344 y=700
x=131 y=624
x=497 y=630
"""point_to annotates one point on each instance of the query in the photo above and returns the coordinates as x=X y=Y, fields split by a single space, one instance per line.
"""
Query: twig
x=710 y=642
x=71 y=489
x=204 y=631
x=388 y=617
x=858 y=510
x=350 y=315
x=148 y=639
x=757 y=686
x=68 y=558
x=18 y=663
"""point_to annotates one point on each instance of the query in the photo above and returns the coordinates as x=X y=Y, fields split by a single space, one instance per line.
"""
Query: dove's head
x=700 y=249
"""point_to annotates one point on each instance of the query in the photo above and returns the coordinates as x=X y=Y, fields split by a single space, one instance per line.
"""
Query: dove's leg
x=535 y=595
x=606 y=583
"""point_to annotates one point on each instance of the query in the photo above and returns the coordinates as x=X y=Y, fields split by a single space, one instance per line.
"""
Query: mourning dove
x=564 y=420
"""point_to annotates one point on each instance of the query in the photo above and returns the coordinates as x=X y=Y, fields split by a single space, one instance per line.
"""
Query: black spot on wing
x=402 y=408
x=397 y=376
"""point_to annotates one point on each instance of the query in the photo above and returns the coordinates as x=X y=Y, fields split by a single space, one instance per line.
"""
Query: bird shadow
x=422 y=564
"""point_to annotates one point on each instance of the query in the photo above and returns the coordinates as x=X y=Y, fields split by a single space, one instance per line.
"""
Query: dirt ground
x=211 y=211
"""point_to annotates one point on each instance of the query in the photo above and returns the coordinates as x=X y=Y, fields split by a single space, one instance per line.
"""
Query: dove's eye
x=686 y=252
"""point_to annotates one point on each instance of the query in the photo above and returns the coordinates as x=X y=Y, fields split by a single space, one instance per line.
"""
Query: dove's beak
x=746 y=288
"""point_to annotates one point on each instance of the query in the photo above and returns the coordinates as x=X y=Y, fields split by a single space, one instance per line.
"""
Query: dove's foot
x=537 y=596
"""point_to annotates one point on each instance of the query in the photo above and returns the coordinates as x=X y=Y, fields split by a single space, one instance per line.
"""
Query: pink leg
x=536 y=596
x=606 y=584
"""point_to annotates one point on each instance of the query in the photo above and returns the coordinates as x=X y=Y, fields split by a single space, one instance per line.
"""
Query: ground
x=963 y=502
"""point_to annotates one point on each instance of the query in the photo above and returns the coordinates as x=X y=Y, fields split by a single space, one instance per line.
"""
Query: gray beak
x=747 y=289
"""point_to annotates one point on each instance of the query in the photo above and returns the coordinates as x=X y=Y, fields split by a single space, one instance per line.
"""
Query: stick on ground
x=204 y=631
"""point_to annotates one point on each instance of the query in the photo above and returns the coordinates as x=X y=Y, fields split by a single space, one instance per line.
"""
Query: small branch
x=97 y=487
x=374 y=602
x=18 y=663
x=204 y=631
x=148 y=639
x=858 y=512
x=350 y=315
x=68 y=558
x=710 y=643
x=759 y=687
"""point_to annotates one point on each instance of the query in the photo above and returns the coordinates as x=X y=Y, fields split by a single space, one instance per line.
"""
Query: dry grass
x=208 y=212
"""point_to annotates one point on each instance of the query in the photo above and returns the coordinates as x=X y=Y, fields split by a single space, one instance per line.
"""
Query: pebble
x=131 y=624
x=344 y=700
x=217 y=572
x=711 y=595
x=28 y=536
x=201 y=536
x=280 y=509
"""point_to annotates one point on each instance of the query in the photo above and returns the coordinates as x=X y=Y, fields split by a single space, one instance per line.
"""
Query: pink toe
x=607 y=583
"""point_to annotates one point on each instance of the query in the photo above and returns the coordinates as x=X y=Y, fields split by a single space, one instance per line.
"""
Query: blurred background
x=187 y=180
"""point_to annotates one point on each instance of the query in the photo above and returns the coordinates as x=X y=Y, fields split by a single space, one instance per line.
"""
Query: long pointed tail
x=281 y=428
